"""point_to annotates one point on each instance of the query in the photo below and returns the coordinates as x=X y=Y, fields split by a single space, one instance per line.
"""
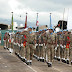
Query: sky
x=32 y=7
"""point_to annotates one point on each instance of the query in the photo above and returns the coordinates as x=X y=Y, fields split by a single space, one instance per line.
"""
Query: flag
x=26 y=22
x=50 y=21
x=12 y=22
x=37 y=23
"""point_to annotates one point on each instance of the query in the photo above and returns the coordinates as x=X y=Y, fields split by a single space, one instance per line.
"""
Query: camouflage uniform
x=7 y=37
x=29 y=47
x=4 y=39
x=67 y=48
x=44 y=46
x=37 y=46
x=41 y=49
x=61 y=45
x=70 y=49
x=50 y=47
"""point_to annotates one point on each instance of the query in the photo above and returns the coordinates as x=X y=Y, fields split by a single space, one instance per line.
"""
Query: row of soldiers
x=45 y=45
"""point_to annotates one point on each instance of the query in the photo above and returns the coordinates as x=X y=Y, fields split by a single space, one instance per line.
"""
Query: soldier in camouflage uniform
x=37 y=46
x=29 y=45
x=7 y=37
x=4 y=39
x=70 y=49
x=50 y=46
x=59 y=45
x=44 y=45
x=41 y=48
x=67 y=40
x=64 y=50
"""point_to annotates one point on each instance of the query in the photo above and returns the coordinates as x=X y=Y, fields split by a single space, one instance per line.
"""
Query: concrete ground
x=11 y=63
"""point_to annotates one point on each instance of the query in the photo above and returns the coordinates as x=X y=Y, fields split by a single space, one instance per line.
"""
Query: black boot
x=58 y=59
x=49 y=65
x=64 y=61
x=23 y=60
x=71 y=63
x=28 y=63
x=67 y=61
x=38 y=59
x=55 y=58
x=4 y=47
x=42 y=60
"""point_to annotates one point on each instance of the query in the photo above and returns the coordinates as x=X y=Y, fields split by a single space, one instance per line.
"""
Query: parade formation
x=44 y=45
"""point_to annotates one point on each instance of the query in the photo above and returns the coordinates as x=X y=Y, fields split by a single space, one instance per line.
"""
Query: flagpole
x=12 y=21
x=26 y=20
x=63 y=18
x=67 y=15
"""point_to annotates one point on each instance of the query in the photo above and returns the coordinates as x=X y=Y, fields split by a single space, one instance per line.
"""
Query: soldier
x=37 y=45
x=14 y=43
x=29 y=45
x=7 y=37
x=65 y=54
x=44 y=44
x=59 y=45
x=70 y=49
x=67 y=37
x=50 y=46
x=4 y=39
x=23 y=48
x=9 y=42
x=41 y=53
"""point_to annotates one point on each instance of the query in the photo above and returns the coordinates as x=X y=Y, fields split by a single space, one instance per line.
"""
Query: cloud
x=43 y=7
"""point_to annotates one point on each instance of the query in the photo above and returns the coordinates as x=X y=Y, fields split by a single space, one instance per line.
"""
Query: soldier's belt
x=22 y=45
x=50 y=43
x=15 y=43
x=36 y=44
x=40 y=44
x=18 y=44
x=31 y=43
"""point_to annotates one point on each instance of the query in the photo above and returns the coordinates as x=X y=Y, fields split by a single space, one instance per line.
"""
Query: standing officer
x=70 y=49
x=65 y=53
x=29 y=45
x=50 y=46
x=67 y=46
x=59 y=44
x=41 y=47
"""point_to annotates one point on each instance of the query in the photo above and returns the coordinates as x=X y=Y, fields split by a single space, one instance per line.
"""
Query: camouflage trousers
x=41 y=52
x=23 y=51
x=58 y=52
x=37 y=51
x=70 y=53
x=4 y=43
x=50 y=52
x=29 y=51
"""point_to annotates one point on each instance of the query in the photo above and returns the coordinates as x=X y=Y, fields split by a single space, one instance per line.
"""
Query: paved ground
x=11 y=63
